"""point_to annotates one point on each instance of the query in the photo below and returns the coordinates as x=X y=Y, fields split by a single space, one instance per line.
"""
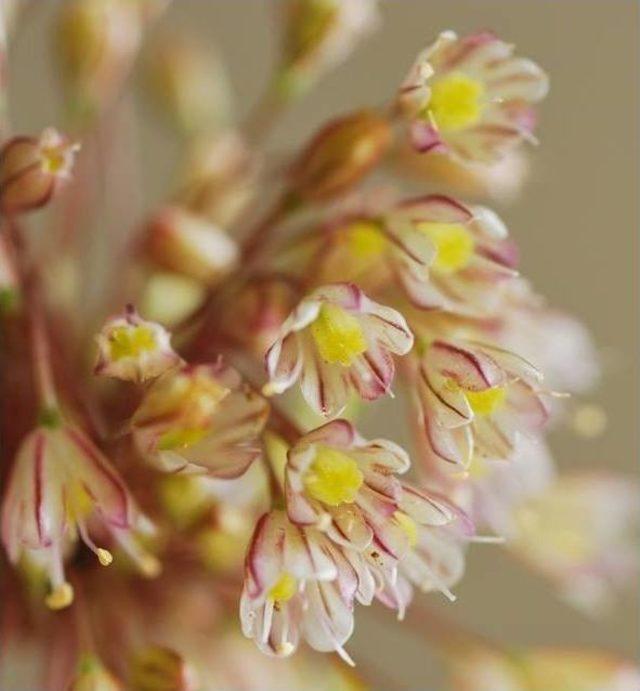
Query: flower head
x=134 y=349
x=32 y=169
x=334 y=340
x=60 y=483
x=295 y=587
x=470 y=96
x=200 y=418
x=476 y=400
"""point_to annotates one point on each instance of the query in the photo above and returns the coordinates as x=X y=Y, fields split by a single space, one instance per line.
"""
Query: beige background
x=577 y=225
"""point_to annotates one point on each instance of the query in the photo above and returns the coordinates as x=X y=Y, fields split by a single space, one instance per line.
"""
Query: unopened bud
x=189 y=245
x=340 y=155
x=92 y=675
x=156 y=668
x=134 y=349
x=32 y=169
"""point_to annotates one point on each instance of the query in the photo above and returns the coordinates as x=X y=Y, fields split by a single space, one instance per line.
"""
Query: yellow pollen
x=149 y=566
x=284 y=588
x=131 y=341
x=104 y=556
x=79 y=503
x=409 y=527
x=364 y=240
x=338 y=335
x=53 y=160
x=60 y=597
x=485 y=403
x=333 y=478
x=453 y=243
x=456 y=102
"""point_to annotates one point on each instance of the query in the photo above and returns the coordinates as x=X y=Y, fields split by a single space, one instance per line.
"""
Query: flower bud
x=92 y=675
x=188 y=244
x=340 y=155
x=189 y=84
x=134 y=349
x=32 y=170
x=156 y=668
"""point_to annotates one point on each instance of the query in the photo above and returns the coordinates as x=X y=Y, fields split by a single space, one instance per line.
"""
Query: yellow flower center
x=409 y=527
x=284 y=588
x=180 y=438
x=485 y=403
x=338 y=335
x=453 y=243
x=78 y=503
x=456 y=102
x=130 y=341
x=333 y=478
x=364 y=240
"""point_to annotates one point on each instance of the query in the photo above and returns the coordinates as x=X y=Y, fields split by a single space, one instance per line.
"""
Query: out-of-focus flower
x=96 y=41
x=59 y=483
x=340 y=155
x=334 y=340
x=500 y=180
x=219 y=177
x=134 y=349
x=181 y=241
x=484 y=668
x=471 y=97
x=200 y=418
x=295 y=587
x=169 y=298
x=189 y=83
x=320 y=34
x=450 y=256
x=92 y=675
x=476 y=400
x=582 y=533
x=157 y=668
x=32 y=169
x=9 y=285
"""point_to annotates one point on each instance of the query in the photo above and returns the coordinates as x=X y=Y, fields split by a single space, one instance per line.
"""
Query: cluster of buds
x=226 y=457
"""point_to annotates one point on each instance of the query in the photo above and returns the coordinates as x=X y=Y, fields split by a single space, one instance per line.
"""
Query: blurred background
x=576 y=223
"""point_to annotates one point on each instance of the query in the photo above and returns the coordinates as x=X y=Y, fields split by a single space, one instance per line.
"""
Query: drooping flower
x=319 y=35
x=471 y=97
x=134 y=349
x=581 y=533
x=476 y=400
x=295 y=587
x=450 y=256
x=59 y=484
x=200 y=418
x=337 y=339
x=32 y=169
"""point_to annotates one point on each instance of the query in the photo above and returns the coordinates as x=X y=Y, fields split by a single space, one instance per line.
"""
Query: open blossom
x=476 y=400
x=337 y=339
x=295 y=586
x=471 y=96
x=582 y=534
x=59 y=484
x=450 y=256
x=200 y=418
x=32 y=169
x=133 y=348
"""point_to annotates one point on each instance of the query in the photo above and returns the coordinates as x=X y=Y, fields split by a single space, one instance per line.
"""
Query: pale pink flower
x=471 y=96
x=335 y=340
x=200 y=419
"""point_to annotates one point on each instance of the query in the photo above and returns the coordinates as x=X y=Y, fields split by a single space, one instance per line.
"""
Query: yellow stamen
x=338 y=335
x=284 y=588
x=409 y=527
x=149 y=566
x=104 y=556
x=453 y=243
x=364 y=240
x=60 y=597
x=333 y=478
x=485 y=403
x=456 y=102
x=131 y=341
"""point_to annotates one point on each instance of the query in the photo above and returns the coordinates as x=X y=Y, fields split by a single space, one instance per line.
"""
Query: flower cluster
x=210 y=441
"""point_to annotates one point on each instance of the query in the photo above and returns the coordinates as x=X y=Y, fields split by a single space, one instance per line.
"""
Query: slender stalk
x=264 y=115
x=4 y=74
x=42 y=358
